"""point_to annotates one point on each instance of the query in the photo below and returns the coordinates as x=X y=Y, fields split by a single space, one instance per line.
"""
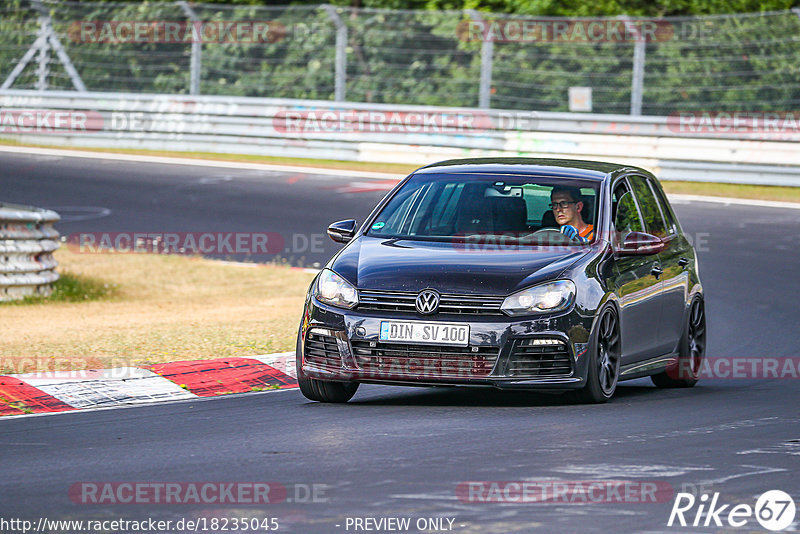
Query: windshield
x=524 y=208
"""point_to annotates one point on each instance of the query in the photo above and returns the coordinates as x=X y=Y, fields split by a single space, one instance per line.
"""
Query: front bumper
x=530 y=353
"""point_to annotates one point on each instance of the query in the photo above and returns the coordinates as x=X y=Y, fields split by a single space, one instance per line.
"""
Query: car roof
x=593 y=170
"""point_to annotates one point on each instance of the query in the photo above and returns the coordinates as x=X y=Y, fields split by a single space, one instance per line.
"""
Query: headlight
x=333 y=289
x=545 y=298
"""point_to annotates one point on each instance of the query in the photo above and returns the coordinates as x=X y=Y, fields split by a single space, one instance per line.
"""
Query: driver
x=567 y=203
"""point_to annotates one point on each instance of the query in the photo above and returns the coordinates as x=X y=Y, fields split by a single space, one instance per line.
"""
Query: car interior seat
x=509 y=214
x=549 y=219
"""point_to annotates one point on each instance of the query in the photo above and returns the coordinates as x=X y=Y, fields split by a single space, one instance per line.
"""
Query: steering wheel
x=545 y=230
x=550 y=231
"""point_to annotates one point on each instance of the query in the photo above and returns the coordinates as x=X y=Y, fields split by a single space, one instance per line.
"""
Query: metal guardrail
x=389 y=133
x=27 y=242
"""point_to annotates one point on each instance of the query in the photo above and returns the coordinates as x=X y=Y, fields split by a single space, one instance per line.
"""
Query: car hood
x=405 y=265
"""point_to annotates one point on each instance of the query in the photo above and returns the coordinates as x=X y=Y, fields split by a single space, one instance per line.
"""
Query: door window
x=666 y=211
x=651 y=212
x=626 y=214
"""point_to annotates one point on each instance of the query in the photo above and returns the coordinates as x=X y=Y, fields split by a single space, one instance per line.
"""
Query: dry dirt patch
x=158 y=309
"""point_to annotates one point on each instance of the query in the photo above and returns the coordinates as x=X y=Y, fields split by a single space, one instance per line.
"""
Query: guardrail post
x=637 y=74
x=487 y=56
x=195 y=61
x=340 y=66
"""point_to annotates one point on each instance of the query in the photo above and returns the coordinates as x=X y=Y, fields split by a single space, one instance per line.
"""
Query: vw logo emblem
x=427 y=301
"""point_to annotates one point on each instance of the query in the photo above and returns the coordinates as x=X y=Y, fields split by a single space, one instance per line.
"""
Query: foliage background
x=410 y=52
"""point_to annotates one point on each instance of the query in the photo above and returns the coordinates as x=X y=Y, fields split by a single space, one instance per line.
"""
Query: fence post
x=487 y=54
x=45 y=40
x=195 y=61
x=340 y=66
x=637 y=74
x=43 y=69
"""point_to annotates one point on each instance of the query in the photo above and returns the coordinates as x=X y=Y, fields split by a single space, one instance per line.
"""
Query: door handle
x=656 y=271
x=683 y=262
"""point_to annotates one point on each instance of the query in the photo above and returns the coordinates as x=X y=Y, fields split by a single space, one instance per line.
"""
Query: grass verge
x=118 y=310
x=753 y=192
x=756 y=192
x=70 y=287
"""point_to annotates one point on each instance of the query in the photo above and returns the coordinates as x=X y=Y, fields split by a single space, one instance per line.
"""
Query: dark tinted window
x=627 y=218
x=666 y=210
x=653 y=220
x=432 y=206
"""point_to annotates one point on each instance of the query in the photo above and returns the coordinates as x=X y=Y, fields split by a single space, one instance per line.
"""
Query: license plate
x=434 y=333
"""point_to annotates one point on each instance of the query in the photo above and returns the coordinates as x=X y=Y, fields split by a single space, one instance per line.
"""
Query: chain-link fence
x=745 y=62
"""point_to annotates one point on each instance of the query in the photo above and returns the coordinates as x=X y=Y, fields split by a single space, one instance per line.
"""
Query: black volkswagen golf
x=508 y=273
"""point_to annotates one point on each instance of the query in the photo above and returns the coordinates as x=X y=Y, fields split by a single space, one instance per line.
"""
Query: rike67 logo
x=774 y=510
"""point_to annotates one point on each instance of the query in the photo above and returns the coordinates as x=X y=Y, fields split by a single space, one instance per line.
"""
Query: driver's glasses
x=564 y=204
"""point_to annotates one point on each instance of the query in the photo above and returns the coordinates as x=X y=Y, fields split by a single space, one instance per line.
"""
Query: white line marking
x=139 y=158
x=734 y=201
x=760 y=470
x=624 y=471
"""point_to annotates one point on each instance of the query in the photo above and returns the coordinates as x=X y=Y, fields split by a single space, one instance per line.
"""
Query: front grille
x=403 y=301
x=388 y=360
x=322 y=351
x=539 y=357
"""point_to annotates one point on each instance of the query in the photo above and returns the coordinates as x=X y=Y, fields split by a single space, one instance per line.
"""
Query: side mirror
x=342 y=231
x=639 y=244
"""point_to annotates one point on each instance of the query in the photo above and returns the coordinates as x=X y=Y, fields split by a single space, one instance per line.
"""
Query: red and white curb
x=60 y=391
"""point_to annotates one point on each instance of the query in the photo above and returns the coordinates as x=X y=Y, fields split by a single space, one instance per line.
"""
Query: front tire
x=604 y=360
x=691 y=352
x=322 y=390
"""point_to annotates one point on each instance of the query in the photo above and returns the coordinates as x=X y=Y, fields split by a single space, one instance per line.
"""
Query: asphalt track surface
x=401 y=452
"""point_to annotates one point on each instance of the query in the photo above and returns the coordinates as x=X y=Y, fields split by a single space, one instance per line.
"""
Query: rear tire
x=322 y=390
x=604 y=360
x=691 y=352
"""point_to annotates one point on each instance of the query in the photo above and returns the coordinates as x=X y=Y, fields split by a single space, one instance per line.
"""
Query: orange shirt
x=588 y=232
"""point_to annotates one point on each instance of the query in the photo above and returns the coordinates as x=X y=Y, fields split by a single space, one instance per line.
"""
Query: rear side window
x=651 y=212
x=537 y=200
x=666 y=210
